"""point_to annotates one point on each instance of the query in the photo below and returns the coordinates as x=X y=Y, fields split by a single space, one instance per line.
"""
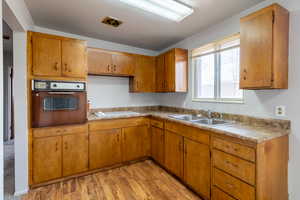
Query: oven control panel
x=46 y=85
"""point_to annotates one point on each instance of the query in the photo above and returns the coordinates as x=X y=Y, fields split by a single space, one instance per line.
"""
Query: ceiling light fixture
x=171 y=9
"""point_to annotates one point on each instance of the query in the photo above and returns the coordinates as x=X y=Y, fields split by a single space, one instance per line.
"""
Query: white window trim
x=214 y=100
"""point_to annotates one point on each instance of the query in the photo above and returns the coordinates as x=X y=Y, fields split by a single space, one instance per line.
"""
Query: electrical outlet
x=280 y=111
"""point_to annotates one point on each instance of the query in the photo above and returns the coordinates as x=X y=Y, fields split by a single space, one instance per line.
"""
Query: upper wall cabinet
x=144 y=74
x=56 y=57
x=172 y=71
x=102 y=62
x=264 y=49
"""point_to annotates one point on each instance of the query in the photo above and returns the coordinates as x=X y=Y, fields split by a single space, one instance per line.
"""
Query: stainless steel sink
x=187 y=117
x=212 y=121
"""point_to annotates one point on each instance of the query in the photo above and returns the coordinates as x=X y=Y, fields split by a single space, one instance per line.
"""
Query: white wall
x=111 y=91
x=257 y=103
x=20 y=107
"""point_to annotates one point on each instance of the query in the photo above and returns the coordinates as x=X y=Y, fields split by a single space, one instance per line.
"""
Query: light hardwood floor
x=140 y=181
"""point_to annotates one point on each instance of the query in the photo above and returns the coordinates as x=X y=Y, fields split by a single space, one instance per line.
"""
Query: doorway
x=8 y=136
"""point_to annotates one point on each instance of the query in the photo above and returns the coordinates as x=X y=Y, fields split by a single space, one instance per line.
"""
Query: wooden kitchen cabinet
x=75 y=153
x=46 y=56
x=56 y=57
x=174 y=153
x=264 y=49
x=144 y=75
x=105 y=148
x=46 y=159
x=135 y=142
x=172 y=71
x=104 y=62
x=158 y=144
x=197 y=167
x=74 y=58
x=123 y=64
x=99 y=62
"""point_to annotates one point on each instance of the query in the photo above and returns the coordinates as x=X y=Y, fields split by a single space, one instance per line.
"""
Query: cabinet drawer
x=233 y=186
x=189 y=132
x=218 y=194
x=117 y=123
x=60 y=130
x=235 y=166
x=156 y=123
x=241 y=151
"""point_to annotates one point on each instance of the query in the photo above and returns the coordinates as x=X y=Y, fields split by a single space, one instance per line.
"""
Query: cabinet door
x=144 y=76
x=136 y=142
x=75 y=154
x=160 y=73
x=158 y=144
x=47 y=159
x=74 y=59
x=123 y=64
x=174 y=153
x=197 y=167
x=46 y=54
x=256 y=51
x=99 y=62
x=170 y=71
x=105 y=148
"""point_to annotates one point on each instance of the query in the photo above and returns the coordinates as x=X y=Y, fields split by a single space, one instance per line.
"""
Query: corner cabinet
x=56 y=57
x=264 y=49
x=172 y=71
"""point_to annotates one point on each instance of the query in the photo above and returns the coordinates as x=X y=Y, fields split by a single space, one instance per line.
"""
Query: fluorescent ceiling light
x=170 y=9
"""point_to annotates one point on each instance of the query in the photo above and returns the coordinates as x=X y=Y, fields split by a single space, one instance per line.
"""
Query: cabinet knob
x=245 y=78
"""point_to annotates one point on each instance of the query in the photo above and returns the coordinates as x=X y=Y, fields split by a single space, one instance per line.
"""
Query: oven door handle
x=66 y=93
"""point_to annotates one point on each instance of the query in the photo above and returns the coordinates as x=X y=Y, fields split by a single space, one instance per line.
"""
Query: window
x=216 y=71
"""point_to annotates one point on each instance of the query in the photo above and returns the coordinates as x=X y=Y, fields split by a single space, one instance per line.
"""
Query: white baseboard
x=21 y=192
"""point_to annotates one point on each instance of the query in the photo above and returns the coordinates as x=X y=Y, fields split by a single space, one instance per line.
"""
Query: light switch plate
x=280 y=111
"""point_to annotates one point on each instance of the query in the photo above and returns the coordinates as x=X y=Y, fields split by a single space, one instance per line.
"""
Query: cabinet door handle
x=56 y=66
x=108 y=68
x=66 y=67
x=115 y=67
x=56 y=146
x=118 y=137
x=137 y=84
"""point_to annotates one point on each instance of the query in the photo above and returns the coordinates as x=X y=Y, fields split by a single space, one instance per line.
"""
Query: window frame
x=217 y=75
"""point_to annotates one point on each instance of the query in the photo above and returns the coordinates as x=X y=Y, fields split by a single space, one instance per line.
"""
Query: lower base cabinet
x=158 y=145
x=197 y=167
x=46 y=159
x=174 y=153
x=105 y=148
x=75 y=154
x=135 y=142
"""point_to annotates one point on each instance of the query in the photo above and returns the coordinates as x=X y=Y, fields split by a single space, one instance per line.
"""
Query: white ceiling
x=140 y=28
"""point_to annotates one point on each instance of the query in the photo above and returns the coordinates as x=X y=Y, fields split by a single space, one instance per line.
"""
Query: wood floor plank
x=140 y=181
